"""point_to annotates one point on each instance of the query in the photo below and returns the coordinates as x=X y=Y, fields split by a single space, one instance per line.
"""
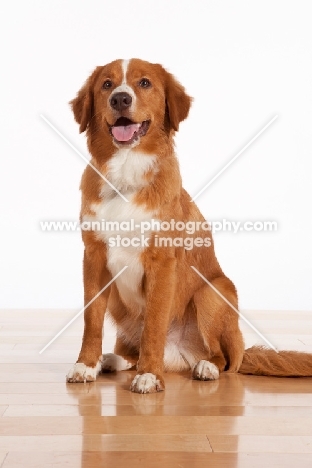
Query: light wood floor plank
x=261 y=443
x=42 y=387
x=31 y=367
x=3 y=408
x=155 y=460
x=3 y=456
x=133 y=425
x=32 y=377
x=230 y=390
x=104 y=442
x=166 y=410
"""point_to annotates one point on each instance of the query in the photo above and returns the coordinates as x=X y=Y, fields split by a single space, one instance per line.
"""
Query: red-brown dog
x=167 y=316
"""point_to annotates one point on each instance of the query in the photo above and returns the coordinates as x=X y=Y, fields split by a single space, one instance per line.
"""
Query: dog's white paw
x=146 y=383
x=205 y=370
x=82 y=373
x=112 y=362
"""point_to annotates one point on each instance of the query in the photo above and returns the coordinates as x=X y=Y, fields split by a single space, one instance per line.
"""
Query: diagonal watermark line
x=234 y=308
x=83 y=157
x=82 y=310
x=234 y=158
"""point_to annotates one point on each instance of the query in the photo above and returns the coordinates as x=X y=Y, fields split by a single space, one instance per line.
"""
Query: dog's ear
x=178 y=103
x=83 y=104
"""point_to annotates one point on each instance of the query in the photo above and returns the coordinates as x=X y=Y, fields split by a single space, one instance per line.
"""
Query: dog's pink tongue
x=125 y=133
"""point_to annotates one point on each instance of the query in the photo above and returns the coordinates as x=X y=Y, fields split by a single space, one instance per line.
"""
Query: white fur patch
x=128 y=284
x=124 y=87
x=112 y=362
x=173 y=359
x=205 y=370
x=177 y=357
x=124 y=66
x=82 y=373
x=126 y=171
x=145 y=383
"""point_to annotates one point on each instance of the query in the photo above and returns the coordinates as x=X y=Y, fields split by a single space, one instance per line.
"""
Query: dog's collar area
x=125 y=131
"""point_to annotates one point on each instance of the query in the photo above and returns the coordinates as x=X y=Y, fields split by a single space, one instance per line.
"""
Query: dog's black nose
x=120 y=101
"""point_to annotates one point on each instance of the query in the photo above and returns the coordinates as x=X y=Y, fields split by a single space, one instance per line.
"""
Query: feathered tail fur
x=260 y=360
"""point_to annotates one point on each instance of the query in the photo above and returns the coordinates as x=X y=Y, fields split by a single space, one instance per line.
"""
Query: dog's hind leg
x=218 y=326
x=124 y=358
x=126 y=350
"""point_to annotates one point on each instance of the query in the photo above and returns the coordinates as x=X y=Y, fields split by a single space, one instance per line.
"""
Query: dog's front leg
x=159 y=293
x=96 y=276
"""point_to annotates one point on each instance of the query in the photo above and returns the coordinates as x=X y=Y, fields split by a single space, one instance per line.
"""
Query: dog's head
x=130 y=99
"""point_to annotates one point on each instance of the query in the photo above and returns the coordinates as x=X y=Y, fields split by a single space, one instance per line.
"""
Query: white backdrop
x=243 y=62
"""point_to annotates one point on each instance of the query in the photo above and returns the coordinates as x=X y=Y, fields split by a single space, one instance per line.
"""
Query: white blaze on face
x=124 y=67
x=124 y=87
x=124 y=133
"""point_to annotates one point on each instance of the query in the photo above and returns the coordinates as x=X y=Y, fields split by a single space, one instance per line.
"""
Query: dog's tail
x=259 y=360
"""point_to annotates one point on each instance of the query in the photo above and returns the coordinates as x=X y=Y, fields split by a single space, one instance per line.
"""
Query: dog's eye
x=145 y=83
x=107 y=84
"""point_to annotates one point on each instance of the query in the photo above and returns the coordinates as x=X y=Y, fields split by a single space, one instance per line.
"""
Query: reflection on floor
x=236 y=422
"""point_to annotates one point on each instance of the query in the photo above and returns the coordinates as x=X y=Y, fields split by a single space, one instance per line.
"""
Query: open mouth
x=125 y=131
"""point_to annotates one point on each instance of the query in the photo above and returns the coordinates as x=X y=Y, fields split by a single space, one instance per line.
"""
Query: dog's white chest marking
x=126 y=171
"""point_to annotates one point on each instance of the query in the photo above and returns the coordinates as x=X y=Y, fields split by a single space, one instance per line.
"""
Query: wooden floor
x=236 y=422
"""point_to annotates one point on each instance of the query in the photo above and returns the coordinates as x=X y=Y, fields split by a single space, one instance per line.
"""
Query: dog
x=168 y=318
